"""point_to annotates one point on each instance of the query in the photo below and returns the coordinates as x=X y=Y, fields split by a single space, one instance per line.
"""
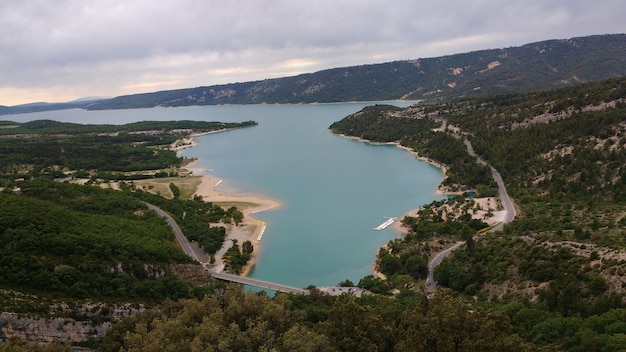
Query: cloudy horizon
x=65 y=50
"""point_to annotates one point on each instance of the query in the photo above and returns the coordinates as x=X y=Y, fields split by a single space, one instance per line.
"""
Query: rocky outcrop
x=46 y=330
x=85 y=321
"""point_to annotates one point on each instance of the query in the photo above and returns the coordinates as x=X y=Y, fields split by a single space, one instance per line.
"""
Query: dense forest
x=385 y=124
x=46 y=147
x=70 y=241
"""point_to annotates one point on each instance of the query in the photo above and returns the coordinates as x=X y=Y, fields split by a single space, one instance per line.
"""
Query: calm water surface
x=334 y=190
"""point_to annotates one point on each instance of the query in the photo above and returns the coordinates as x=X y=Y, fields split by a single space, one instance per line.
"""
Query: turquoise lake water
x=334 y=190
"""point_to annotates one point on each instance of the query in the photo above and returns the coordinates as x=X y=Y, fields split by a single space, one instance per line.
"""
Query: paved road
x=435 y=261
x=180 y=237
x=507 y=204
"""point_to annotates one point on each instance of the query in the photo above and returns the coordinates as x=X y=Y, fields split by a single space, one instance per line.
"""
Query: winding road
x=507 y=204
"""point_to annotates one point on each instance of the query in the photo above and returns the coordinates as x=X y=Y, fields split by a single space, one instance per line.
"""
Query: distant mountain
x=88 y=99
x=42 y=106
x=543 y=65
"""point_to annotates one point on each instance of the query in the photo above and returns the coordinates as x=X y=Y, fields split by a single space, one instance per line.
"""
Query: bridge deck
x=258 y=283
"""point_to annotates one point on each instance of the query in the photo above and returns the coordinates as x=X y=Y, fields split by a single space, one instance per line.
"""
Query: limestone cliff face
x=91 y=319
x=45 y=330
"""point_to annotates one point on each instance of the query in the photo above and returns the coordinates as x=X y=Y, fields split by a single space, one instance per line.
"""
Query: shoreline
x=189 y=142
x=398 y=226
x=440 y=191
x=250 y=228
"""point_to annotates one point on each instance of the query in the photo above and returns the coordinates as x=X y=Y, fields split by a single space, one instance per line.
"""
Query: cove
x=334 y=190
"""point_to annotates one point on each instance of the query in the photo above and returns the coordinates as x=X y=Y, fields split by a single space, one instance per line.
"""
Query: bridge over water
x=258 y=283
x=188 y=249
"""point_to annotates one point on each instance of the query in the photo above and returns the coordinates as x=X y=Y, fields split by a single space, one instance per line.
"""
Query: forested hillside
x=45 y=147
x=543 y=65
x=558 y=269
x=75 y=252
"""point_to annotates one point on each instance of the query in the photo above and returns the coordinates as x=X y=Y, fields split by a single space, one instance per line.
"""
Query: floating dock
x=385 y=224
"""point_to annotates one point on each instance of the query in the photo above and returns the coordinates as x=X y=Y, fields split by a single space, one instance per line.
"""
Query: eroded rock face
x=83 y=321
x=91 y=321
x=46 y=330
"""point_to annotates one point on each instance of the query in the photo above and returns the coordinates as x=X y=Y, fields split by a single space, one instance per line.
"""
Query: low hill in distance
x=543 y=65
x=43 y=106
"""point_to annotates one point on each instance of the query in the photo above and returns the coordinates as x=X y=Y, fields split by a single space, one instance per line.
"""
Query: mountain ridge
x=541 y=65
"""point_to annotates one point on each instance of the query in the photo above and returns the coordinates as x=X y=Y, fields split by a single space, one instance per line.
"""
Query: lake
x=334 y=190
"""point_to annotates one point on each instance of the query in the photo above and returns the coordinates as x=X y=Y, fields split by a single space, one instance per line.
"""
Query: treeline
x=38 y=145
x=253 y=322
x=87 y=153
x=173 y=127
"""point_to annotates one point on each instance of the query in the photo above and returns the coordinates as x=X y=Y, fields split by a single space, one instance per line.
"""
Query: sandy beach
x=250 y=229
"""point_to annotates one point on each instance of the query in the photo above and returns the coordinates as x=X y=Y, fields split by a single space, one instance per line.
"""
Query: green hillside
x=558 y=269
x=75 y=252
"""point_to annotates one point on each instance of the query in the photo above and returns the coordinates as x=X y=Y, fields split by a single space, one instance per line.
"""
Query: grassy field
x=187 y=186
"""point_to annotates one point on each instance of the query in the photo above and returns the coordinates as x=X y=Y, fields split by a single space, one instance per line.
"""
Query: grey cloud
x=112 y=45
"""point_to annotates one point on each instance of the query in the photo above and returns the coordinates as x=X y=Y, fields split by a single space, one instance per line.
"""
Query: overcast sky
x=67 y=49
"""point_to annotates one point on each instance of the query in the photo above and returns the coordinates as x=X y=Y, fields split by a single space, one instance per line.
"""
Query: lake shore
x=441 y=189
x=250 y=229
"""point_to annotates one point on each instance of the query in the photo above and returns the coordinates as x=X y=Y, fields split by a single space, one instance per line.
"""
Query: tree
x=346 y=283
x=175 y=190
x=246 y=247
x=237 y=216
x=446 y=323
x=416 y=266
x=352 y=327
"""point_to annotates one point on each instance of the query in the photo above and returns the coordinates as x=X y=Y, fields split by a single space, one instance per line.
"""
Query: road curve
x=507 y=204
x=180 y=237
x=435 y=261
